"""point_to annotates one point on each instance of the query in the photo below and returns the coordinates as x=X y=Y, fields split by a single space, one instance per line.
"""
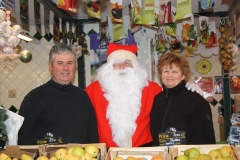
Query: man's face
x=63 y=68
x=122 y=65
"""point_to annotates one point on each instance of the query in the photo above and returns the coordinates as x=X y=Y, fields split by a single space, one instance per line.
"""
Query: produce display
x=90 y=152
x=4 y=156
x=155 y=157
x=227 y=50
x=223 y=153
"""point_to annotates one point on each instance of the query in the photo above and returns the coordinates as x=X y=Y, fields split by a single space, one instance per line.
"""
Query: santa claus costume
x=123 y=99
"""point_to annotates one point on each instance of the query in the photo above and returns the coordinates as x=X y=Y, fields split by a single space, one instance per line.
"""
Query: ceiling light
x=24 y=37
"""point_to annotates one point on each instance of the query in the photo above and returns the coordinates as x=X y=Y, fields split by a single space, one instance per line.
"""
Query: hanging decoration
x=206 y=4
x=189 y=35
x=136 y=11
x=237 y=22
x=165 y=12
x=8 y=42
x=25 y=56
x=56 y=30
x=184 y=7
x=70 y=33
x=68 y=5
x=9 y=5
x=149 y=12
x=103 y=37
x=116 y=11
x=64 y=31
x=133 y=27
x=77 y=49
x=232 y=25
x=228 y=50
x=79 y=38
x=47 y=35
x=118 y=31
x=93 y=8
x=212 y=41
x=24 y=14
x=37 y=16
x=204 y=30
x=161 y=41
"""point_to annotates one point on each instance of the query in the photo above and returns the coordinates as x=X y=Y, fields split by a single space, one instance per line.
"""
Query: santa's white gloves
x=194 y=87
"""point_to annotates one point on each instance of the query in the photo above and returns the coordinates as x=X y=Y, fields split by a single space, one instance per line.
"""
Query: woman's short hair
x=169 y=59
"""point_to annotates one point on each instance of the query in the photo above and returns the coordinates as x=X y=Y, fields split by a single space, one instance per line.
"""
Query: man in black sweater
x=58 y=112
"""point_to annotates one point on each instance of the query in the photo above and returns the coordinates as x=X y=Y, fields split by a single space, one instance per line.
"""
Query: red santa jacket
x=142 y=134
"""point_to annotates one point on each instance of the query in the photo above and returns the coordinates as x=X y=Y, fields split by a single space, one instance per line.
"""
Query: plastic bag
x=13 y=124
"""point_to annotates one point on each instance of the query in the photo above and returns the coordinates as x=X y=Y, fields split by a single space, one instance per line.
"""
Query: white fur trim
x=119 y=54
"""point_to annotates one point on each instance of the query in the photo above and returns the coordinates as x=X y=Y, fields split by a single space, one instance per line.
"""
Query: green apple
x=72 y=157
x=118 y=158
x=42 y=158
x=92 y=150
x=66 y=157
x=186 y=152
x=23 y=157
x=77 y=151
x=193 y=153
x=220 y=159
x=60 y=153
x=86 y=156
x=214 y=154
x=4 y=156
x=182 y=157
x=70 y=150
x=228 y=158
x=15 y=158
x=226 y=151
x=203 y=157
x=53 y=158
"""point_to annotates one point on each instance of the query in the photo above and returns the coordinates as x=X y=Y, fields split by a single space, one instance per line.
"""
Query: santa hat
x=118 y=51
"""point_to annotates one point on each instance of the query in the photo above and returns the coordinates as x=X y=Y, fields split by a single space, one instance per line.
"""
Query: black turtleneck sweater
x=55 y=113
x=184 y=110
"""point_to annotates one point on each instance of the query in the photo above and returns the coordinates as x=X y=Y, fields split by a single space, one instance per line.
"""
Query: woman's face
x=171 y=76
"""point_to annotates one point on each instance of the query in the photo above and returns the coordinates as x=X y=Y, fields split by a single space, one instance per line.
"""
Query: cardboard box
x=51 y=149
x=137 y=152
x=176 y=150
x=15 y=151
x=236 y=149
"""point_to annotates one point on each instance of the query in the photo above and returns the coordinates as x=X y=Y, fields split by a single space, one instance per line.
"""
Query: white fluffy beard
x=123 y=91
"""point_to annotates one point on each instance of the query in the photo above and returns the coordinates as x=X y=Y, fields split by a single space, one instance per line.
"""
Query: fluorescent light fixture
x=24 y=37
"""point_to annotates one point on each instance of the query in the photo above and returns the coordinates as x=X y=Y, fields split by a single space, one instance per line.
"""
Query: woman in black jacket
x=178 y=108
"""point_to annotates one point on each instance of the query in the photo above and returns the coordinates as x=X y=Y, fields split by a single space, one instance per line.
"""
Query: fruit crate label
x=171 y=137
x=234 y=135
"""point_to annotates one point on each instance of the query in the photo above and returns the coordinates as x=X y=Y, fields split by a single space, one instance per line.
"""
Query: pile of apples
x=224 y=153
x=4 y=156
x=154 y=157
x=90 y=152
x=226 y=49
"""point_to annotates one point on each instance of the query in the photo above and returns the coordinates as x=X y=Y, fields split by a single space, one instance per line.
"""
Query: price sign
x=234 y=135
x=171 y=137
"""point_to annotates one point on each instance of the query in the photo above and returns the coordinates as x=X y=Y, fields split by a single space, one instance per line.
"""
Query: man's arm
x=26 y=132
x=92 y=127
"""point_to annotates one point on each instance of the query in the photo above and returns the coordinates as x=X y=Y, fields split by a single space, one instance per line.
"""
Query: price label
x=234 y=135
x=171 y=137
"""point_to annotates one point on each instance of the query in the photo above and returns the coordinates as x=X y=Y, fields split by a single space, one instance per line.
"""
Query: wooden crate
x=16 y=151
x=176 y=150
x=50 y=149
x=236 y=149
x=137 y=152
